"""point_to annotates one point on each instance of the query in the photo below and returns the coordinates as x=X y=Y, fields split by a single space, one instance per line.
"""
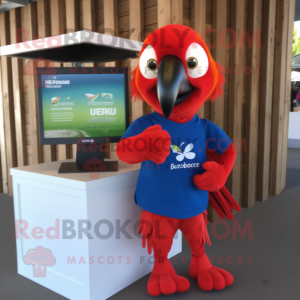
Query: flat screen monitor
x=80 y=105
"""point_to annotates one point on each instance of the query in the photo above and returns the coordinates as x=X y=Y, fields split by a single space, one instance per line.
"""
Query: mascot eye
x=148 y=63
x=192 y=63
x=196 y=61
x=152 y=64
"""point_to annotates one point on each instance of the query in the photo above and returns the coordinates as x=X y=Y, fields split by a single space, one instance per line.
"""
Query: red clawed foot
x=164 y=280
x=167 y=284
x=214 y=279
x=209 y=277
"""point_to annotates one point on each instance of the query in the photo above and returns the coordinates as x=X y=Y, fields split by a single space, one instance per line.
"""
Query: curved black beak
x=171 y=73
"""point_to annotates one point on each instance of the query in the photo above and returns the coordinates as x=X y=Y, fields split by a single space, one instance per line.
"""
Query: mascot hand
x=152 y=144
x=213 y=179
x=158 y=143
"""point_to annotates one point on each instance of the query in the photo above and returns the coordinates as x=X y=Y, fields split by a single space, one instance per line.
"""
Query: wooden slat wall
x=287 y=96
x=236 y=90
x=18 y=87
x=72 y=25
x=254 y=106
x=136 y=24
x=35 y=149
x=266 y=97
x=44 y=30
x=279 y=82
x=7 y=100
x=198 y=23
x=57 y=12
x=4 y=174
x=219 y=22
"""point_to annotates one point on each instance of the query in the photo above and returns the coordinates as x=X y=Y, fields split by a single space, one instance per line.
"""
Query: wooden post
x=219 y=19
x=110 y=8
x=236 y=97
x=72 y=25
x=279 y=95
x=219 y=22
x=89 y=20
x=8 y=103
x=58 y=27
x=136 y=24
x=177 y=12
x=252 y=104
x=266 y=98
x=18 y=87
x=36 y=148
x=163 y=13
x=44 y=31
x=198 y=9
x=110 y=19
x=3 y=169
x=287 y=104
x=72 y=18
x=57 y=12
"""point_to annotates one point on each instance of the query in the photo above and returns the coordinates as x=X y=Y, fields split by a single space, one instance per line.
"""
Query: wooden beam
x=36 y=148
x=110 y=8
x=219 y=23
x=163 y=13
x=3 y=169
x=266 y=98
x=58 y=27
x=8 y=103
x=198 y=9
x=49 y=151
x=89 y=17
x=18 y=88
x=177 y=12
x=252 y=105
x=57 y=12
x=43 y=20
x=236 y=88
x=279 y=91
x=287 y=105
x=110 y=17
x=89 y=20
x=72 y=24
x=72 y=16
x=136 y=24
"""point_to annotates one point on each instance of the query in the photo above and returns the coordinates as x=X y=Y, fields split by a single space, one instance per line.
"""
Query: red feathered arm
x=218 y=168
x=152 y=144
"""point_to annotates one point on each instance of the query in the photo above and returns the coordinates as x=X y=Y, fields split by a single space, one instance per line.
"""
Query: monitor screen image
x=82 y=106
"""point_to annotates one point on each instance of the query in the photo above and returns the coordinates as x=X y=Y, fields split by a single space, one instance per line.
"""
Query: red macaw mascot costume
x=185 y=160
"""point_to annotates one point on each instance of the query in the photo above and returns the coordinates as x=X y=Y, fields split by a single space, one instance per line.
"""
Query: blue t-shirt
x=168 y=189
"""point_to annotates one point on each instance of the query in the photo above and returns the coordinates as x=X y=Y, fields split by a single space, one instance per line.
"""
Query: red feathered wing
x=222 y=201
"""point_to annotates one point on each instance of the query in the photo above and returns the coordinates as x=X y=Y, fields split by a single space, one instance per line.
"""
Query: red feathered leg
x=159 y=232
x=208 y=276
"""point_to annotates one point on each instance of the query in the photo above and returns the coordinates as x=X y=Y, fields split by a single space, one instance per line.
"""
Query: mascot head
x=176 y=73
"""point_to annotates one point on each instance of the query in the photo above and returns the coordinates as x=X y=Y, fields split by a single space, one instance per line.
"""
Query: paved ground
x=265 y=267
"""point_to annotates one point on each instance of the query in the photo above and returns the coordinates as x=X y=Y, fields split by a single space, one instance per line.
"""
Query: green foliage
x=296 y=43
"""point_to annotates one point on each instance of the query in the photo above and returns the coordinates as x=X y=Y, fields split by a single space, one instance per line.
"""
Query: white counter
x=73 y=224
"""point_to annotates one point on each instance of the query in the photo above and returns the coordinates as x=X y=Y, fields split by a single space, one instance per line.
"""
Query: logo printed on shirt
x=186 y=153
